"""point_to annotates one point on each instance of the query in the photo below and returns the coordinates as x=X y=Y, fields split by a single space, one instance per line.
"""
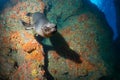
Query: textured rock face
x=80 y=39
x=80 y=50
x=21 y=55
x=60 y=10
x=84 y=37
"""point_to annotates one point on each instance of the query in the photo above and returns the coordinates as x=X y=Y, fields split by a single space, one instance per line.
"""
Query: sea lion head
x=49 y=29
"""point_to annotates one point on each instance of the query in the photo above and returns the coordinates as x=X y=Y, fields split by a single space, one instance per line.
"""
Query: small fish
x=41 y=25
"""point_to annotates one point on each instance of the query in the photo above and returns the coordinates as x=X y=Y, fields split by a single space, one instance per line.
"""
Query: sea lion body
x=41 y=25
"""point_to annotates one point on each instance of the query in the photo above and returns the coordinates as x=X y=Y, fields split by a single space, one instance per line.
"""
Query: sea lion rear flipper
x=27 y=25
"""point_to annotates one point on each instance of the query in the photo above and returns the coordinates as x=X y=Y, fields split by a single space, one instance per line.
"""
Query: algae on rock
x=80 y=49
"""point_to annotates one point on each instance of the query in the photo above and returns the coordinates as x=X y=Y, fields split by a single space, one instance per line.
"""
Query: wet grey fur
x=41 y=24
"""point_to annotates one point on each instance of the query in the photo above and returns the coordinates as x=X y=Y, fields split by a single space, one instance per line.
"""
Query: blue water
x=107 y=6
x=2 y=3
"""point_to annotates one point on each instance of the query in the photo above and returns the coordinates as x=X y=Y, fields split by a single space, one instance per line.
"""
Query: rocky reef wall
x=80 y=50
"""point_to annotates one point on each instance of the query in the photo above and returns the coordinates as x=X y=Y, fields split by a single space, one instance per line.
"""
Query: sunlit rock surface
x=80 y=50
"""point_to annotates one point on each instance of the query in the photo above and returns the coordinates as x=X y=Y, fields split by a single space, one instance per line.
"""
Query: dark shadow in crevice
x=61 y=47
x=46 y=61
x=4 y=77
x=47 y=73
x=117 y=41
x=106 y=78
x=117 y=9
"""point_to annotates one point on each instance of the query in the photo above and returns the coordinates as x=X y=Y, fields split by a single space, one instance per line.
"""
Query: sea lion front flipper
x=30 y=27
x=27 y=25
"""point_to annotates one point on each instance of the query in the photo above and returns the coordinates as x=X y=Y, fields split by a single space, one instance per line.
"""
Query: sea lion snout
x=49 y=29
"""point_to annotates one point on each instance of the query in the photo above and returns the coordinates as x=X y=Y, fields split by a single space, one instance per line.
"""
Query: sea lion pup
x=41 y=25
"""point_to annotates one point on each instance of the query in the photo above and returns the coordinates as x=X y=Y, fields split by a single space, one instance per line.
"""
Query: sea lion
x=41 y=24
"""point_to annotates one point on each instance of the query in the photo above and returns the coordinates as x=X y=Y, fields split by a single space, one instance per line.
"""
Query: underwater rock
x=60 y=10
x=81 y=49
x=21 y=55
